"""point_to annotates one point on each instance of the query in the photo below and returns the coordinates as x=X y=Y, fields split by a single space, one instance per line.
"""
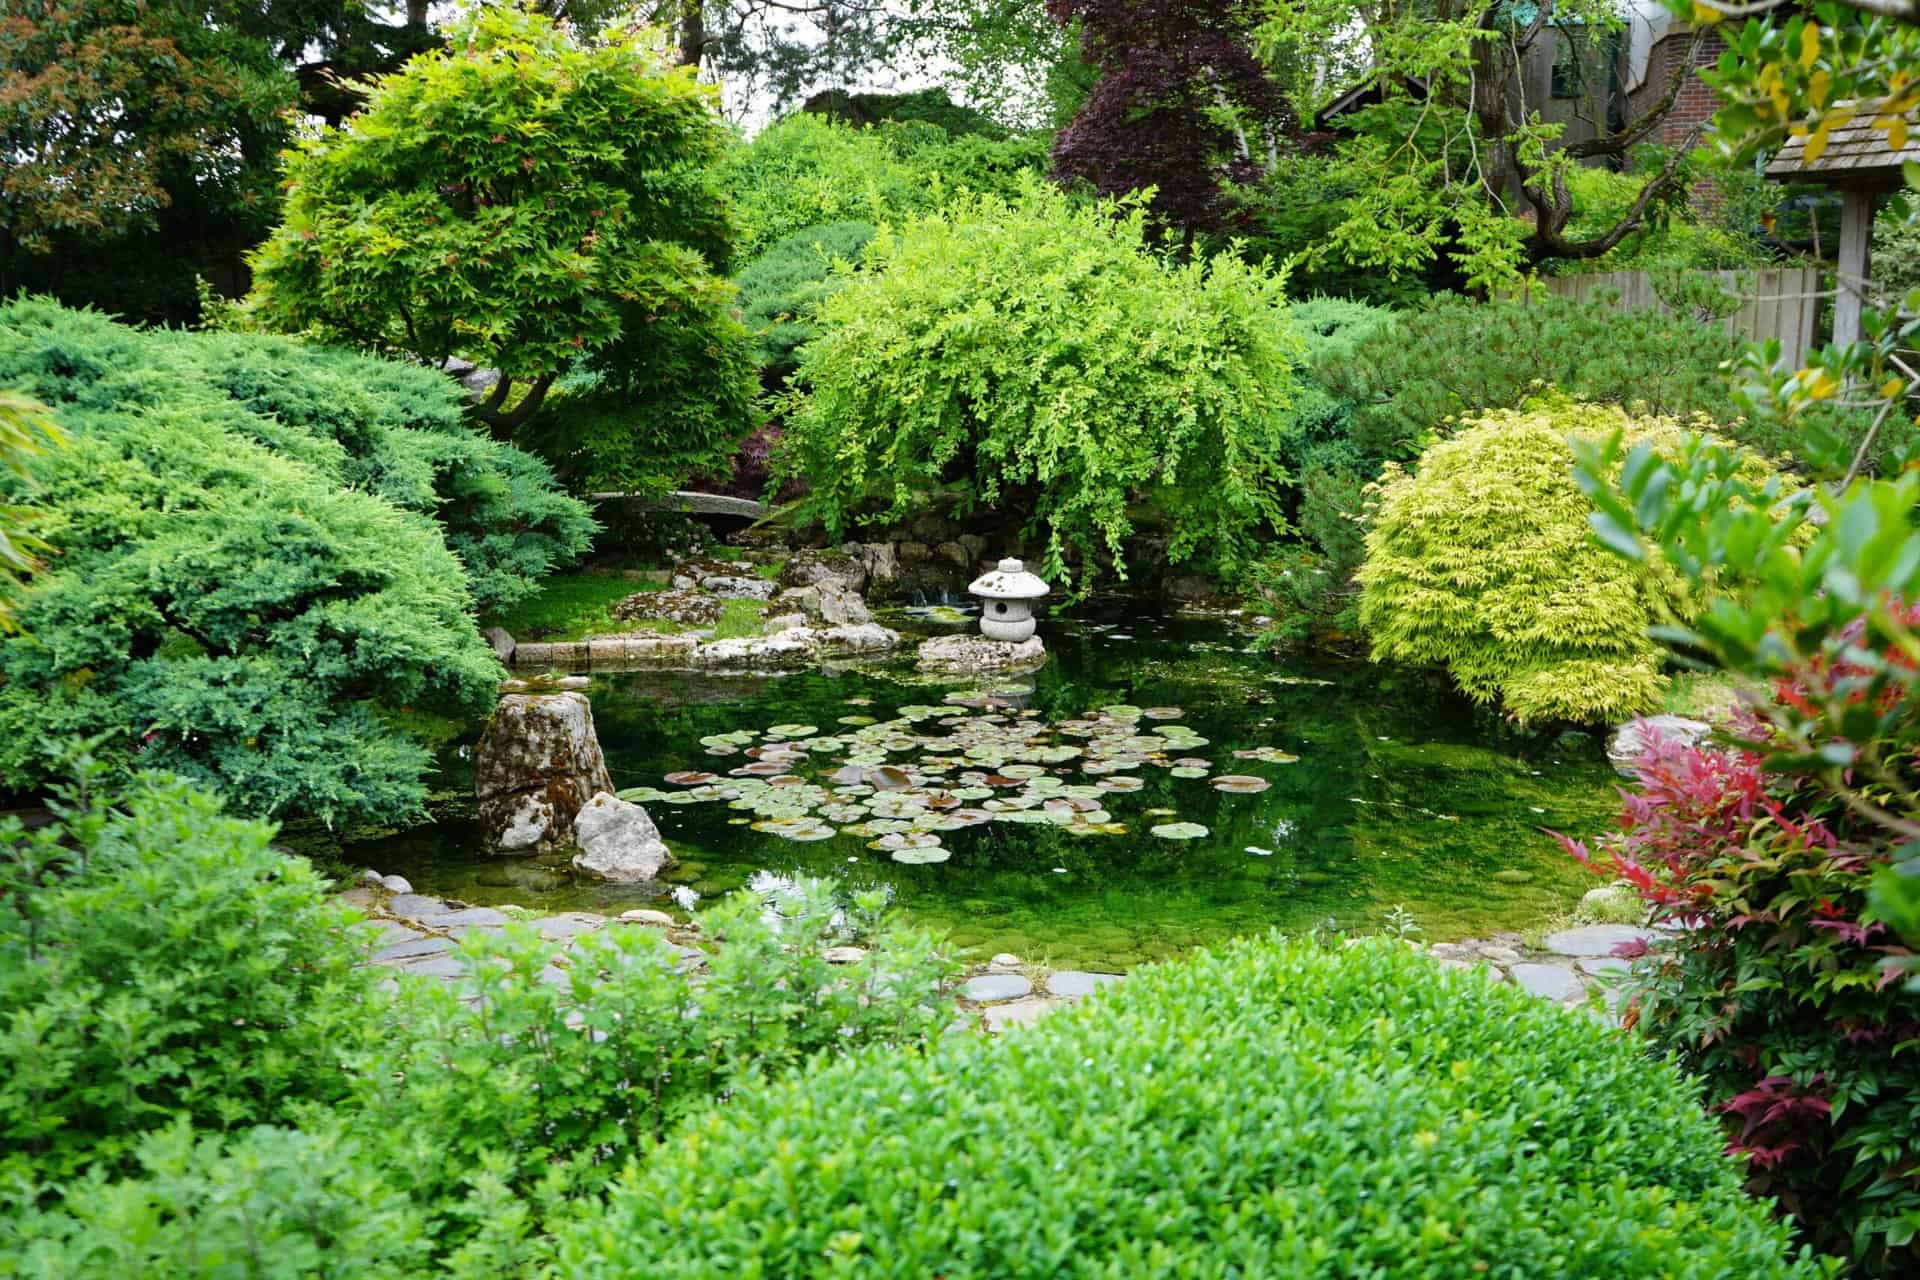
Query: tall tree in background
x=142 y=137
x=1453 y=159
x=1181 y=105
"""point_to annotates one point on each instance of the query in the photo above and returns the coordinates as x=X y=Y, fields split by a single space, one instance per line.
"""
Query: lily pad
x=1240 y=784
x=1179 y=831
x=1188 y=771
x=921 y=857
x=691 y=778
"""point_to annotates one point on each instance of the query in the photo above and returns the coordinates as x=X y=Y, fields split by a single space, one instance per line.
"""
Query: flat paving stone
x=1596 y=939
x=564 y=927
x=468 y=916
x=1074 y=983
x=359 y=896
x=989 y=988
x=416 y=904
x=387 y=932
x=1020 y=1013
x=1548 y=981
x=1604 y=966
x=420 y=946
x=441 y=966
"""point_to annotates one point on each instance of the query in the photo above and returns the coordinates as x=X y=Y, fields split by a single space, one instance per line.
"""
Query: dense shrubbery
x=158 y=961
x=779 y=289
x=998 y=350
x=247 y=580
x=809 y=169
x=1454 y=358
x=1776 y=992
x=1482 y=561
x=203 y=1083
x=1268 y=1109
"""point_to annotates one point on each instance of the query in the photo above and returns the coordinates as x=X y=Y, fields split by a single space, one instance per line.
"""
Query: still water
x=1385 y=790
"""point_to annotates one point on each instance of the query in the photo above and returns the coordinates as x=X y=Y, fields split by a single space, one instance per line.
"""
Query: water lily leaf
x=1121 y=782
x=888 y=777
x=1179 y=831
x=1121 y=711
x=640 y=795
x=921 y=857
x=856 y=720
x=1240 y=784
x=691 y=778
x=1163 y=713
x=1188 y=771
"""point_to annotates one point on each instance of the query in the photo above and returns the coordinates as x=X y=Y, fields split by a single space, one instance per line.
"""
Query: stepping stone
x=1073 y=983
x=1596 y=939
x=991 y=987
x=659 y=919
x=411 y=950
x=1021 y=1013
x=386 y=932
x=563 y=928
x=441 y=966
x=360 y=897
x=486 y=916
x=1548 y=981
x=1501 y=955
x=1608 y=966
x=414 y=904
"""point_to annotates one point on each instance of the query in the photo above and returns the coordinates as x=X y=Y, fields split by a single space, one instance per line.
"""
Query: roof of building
x=1856 y=153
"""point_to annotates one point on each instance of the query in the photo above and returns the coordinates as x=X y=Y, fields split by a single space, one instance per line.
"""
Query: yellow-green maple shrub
x=1482 y=561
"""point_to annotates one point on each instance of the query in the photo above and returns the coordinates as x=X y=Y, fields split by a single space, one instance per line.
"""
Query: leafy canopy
x=519 y=200
x=1480 y=561
x=998 y=349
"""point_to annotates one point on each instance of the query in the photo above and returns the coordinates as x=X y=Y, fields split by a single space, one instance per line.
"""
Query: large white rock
x=618 y=841
x=963 y=654
x=1631 y=738
x=538 y=762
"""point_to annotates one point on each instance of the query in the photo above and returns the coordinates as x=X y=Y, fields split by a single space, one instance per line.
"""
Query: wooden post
x=1856 y=228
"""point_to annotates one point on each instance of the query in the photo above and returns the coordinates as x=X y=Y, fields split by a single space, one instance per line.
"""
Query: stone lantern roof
x=1008 y=580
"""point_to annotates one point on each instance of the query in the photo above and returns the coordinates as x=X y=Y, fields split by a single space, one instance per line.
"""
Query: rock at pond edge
x=618 y=841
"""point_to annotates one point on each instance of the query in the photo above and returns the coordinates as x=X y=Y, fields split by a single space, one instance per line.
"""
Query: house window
x=1567 y=80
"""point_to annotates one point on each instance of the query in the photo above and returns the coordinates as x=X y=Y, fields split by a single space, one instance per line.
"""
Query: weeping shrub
x=1482 y=561
x=1271 y=1109
x=1036 y=357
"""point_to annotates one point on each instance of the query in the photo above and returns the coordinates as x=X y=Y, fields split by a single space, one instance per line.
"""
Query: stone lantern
x=1007 y=592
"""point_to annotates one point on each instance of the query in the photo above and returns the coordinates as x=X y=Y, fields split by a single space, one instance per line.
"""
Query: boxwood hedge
x=1271 y=1109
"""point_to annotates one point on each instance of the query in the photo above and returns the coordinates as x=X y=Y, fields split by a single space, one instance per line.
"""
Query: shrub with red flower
x=1776 y=986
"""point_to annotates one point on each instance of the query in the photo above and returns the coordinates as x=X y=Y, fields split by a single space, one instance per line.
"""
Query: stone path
x=415 y=935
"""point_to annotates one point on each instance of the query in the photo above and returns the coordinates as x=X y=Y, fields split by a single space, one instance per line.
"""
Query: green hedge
x=1270 y=1109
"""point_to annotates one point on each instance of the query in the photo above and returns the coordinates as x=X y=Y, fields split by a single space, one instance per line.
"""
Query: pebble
x=370 y=876
x=395 y=884
x=1073 y=983
x=644 y=916
x=989 y=988
x=1006 y=960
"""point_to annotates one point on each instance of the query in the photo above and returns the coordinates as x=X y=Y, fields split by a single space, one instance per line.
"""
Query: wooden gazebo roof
x=1856 y=155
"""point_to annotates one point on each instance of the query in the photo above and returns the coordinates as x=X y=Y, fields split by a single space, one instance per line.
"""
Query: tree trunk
x=693 y=33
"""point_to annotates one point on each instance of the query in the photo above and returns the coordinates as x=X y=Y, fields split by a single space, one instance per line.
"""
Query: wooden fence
x=1777 y=302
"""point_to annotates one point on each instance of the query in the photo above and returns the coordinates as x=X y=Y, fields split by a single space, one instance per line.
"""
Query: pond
x=1064 y=837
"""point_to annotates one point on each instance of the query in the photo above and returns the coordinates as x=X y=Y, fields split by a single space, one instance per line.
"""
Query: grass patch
x=738 y=618
x=574 y=606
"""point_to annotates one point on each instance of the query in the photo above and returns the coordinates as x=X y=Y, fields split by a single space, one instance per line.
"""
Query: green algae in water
x=1384 y=789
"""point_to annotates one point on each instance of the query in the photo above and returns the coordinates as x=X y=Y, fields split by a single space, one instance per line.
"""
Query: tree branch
x=503 y=425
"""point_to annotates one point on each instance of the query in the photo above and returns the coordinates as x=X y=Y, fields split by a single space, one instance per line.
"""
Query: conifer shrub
x=779 y=289
x=262 y=557
x=1000 y=351
x=1269 y=1108
x=1454 y=359
x=1482 y=561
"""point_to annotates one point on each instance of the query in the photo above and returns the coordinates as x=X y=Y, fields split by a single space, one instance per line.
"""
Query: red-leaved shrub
x=1776 y=986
